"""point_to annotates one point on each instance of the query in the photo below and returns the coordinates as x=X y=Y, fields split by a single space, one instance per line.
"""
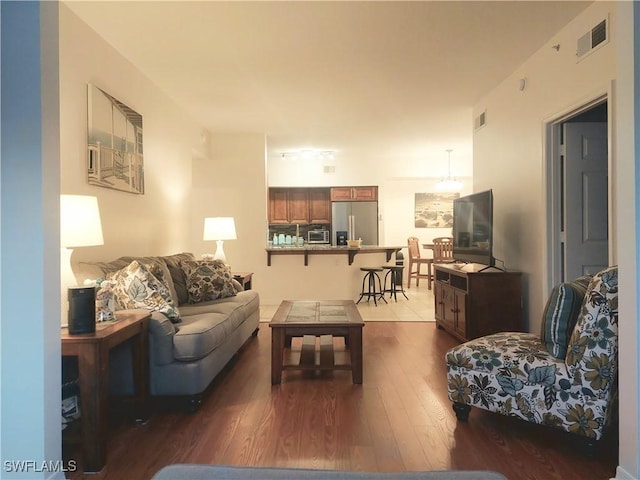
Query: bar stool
x=395 y=273
x=373 y=290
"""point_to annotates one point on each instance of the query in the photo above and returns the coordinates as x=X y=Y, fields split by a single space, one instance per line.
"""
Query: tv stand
x=486 y=267
x=473 y=302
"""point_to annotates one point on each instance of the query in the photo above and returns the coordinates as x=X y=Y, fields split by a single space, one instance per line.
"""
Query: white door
x=586 y=239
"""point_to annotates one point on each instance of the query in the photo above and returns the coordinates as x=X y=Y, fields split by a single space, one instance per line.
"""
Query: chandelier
x=308 y=154
x=450 y=183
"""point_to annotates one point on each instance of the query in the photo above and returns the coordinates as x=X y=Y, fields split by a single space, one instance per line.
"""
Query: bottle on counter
x=275 y=239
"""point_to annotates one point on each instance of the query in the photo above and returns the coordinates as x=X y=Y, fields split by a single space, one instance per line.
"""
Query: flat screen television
x=473 y=228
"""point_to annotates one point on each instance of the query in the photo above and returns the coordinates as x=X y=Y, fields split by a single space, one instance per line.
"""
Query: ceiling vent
x=593 y=39
x=480 y=121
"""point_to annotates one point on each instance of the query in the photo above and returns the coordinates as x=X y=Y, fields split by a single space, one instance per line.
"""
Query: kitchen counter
x=328 y=250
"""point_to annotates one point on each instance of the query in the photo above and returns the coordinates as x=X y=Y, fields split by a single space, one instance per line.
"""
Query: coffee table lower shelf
x=312 y=359
x=285 y=326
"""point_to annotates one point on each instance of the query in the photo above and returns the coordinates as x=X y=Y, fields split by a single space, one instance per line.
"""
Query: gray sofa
x=221 y=472
x=184 y=357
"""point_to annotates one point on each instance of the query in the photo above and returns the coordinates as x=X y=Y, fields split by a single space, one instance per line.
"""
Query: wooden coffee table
x=311 y=319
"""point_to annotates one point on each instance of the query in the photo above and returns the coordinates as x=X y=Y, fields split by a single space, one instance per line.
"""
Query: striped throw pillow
x=561 y=313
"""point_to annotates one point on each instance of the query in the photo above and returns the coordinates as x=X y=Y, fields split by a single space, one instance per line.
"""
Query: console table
x=244 y=278
x=92 y=350
x=472 y=300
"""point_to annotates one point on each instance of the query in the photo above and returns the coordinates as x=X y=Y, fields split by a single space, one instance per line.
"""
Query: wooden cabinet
x=299 y=205
x=470 y=303
x=354 y=194
x=319 y=205
x=278 y=205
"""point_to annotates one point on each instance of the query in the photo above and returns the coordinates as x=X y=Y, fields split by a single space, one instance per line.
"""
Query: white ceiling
x=369 y=79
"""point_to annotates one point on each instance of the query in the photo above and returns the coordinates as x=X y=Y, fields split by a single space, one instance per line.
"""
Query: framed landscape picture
x=434 y=210
x=115 y=156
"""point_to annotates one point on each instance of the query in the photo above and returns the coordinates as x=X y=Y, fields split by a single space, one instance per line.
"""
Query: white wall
x=508 y=150
x=157 y=222
x=30 y=255
x=508 y=157
x=231 y=183
x=627 y=150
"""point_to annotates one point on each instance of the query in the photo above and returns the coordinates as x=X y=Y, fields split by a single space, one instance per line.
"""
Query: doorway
x=578 y=192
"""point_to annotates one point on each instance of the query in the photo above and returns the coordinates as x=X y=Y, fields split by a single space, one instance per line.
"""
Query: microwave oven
x=318 y=236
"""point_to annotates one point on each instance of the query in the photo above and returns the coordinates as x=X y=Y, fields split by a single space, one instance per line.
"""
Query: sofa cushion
x=177 y=274
x=208 y=280
x=164 y=275
x=200 y=334
x=137 y=287
x=561 y=313
x=207 y=324
x=592 y=353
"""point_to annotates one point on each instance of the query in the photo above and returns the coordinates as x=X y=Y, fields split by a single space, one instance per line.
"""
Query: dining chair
x=416 y=262
x=442 y=252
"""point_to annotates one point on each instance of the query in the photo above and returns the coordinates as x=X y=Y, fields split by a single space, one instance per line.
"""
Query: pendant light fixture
x=450 y=183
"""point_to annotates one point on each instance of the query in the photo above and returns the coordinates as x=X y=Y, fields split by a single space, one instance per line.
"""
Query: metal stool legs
x=395 y=285
x=373 y=290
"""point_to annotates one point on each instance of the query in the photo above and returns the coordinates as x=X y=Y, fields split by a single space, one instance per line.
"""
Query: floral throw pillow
x=208 y=280
x=593 y=347
x=137 y=287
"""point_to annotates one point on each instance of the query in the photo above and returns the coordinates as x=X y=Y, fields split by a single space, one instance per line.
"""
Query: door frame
x=552 y=177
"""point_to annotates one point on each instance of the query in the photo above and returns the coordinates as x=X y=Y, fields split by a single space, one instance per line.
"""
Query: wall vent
x=329 y=169
x=593 y=39
x=480 y=121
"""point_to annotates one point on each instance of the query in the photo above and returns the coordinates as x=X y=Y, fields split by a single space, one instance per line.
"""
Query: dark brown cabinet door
x=460 y=313
x=448 y=306
x=298 y=205
x=354 y=194
x=278 y=205
x=319 y=205
x=341 y=194
x=365 y=194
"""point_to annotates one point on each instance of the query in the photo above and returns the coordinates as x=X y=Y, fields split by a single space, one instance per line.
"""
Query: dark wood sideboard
x=470 y=303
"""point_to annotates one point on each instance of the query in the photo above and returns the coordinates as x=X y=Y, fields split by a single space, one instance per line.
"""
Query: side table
x=92 y=350
x=244 y=278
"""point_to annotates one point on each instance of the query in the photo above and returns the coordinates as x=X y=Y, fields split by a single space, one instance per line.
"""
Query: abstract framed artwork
x=434 y=210
x=115 y=156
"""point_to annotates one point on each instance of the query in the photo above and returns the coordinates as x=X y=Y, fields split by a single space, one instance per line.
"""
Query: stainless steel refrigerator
x=359 y=219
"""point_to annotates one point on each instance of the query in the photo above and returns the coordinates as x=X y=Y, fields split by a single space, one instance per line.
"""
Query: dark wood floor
x=399 y=419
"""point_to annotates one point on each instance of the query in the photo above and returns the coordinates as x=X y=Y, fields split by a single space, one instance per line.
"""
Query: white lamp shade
x=219 y=228
x=80 y=221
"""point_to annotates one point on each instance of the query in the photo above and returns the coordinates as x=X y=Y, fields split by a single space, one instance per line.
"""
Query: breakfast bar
x=351 y=252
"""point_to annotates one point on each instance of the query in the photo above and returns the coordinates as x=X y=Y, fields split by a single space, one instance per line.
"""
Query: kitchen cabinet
x=299 y=205
x=319 y=205
x=354 y=194
x=470 y=303
x=278 y=205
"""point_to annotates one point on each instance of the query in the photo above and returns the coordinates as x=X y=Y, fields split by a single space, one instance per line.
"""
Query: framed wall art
x=115 y=156
x=434 y=210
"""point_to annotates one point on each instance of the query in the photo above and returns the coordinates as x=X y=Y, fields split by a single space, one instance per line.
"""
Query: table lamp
x=219 y=229
x=79 y=227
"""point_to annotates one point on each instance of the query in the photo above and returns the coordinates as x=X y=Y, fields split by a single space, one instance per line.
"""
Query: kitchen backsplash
x=291 y=230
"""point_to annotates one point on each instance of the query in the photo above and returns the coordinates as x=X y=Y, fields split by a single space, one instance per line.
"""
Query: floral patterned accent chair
x=564 y=378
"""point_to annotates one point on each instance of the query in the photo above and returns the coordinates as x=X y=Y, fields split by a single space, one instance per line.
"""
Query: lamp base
x=67 y=279
x=220 y=252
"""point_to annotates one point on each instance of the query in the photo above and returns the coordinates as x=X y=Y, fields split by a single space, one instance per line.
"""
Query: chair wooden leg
x=430 y=278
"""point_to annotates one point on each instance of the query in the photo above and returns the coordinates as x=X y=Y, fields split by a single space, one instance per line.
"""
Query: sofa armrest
x=161 y=332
